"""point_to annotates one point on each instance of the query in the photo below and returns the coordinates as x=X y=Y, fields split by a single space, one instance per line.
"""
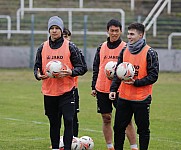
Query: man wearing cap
x=59 y=92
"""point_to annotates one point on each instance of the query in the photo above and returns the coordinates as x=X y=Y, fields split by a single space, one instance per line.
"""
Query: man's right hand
x=42 y=77
x=112 y=95
x=93 y=93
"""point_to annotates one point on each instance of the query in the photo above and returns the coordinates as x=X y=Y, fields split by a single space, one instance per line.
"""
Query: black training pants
x=55 y=108
x=124 y=112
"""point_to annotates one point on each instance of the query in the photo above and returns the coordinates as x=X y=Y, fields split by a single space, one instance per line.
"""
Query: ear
x=141 y=34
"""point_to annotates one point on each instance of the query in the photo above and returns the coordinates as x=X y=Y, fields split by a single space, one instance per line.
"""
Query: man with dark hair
x=67 y=34
x=135 y=95
x=106 y=52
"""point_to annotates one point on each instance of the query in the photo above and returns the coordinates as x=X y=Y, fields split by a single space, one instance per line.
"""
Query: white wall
x=13 y=57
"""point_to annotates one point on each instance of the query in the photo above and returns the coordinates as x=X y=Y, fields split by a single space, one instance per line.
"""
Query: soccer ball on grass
x=76 y=145
x=87 y=143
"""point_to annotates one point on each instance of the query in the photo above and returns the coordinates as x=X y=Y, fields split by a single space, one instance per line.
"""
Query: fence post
x=32 y=42
x=85 y=35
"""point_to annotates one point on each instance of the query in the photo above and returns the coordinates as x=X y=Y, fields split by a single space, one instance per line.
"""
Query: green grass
x=23 y=125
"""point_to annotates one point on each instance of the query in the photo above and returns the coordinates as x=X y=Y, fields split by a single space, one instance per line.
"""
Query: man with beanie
x=59 y=91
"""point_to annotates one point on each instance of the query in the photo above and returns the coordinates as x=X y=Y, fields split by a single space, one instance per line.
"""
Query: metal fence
x=17 y=29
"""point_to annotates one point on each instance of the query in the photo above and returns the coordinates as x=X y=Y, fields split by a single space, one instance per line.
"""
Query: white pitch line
x=12 y=119
x=89 y=130
x=25 y=139
x=164 y=140
x=36 y=122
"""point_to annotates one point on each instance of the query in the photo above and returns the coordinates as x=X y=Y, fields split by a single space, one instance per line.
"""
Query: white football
x=87 y=143
x=91 y=144
x=110 y=69
x=76 y=145
x=54 y=66
x=125 y=71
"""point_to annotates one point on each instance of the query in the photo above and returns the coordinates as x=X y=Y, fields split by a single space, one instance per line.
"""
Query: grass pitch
x=23 y=125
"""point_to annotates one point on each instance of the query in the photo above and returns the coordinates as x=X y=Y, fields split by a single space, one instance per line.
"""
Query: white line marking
x=35 y=122
x=13 y=119
x=89 y=130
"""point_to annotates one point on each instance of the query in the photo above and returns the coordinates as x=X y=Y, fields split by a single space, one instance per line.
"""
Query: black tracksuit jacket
x=96 y=63
x=77 y=59
x=152 y=71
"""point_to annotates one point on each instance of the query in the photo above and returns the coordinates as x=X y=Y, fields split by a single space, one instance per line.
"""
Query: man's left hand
x=63 y=73
x=131 y=81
